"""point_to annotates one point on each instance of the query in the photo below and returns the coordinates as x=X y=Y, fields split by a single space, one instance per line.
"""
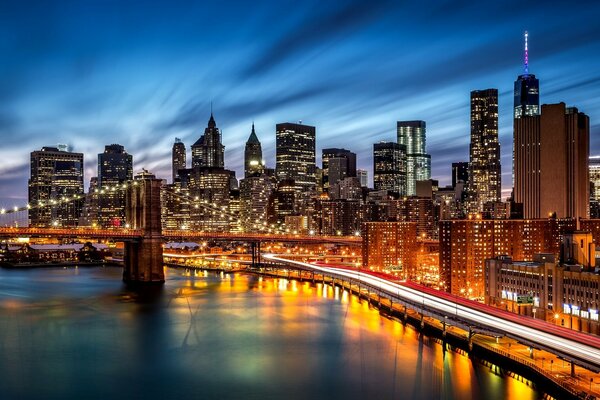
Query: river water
x=80 y=334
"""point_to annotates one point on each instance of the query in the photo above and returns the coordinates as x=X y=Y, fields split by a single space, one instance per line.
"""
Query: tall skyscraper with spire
x=253 y=161
x=208 y=151
x=527 y=89
x=179 y=158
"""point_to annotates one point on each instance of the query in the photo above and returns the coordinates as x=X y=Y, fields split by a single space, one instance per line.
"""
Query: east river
x=80 y=334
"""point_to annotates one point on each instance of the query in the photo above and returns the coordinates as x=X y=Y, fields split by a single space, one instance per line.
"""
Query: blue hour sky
x=91 y=73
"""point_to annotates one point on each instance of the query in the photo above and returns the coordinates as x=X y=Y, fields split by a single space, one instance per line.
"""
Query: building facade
x=466 y=244
x=390 y=247
x=551 y=153
x=55 y=176
x=208 y=151
x=389 y=167
x=178 y=157
x=295 y=155
x=337 y=164
x=411 y=134
x=484 y=163
x=115 y=168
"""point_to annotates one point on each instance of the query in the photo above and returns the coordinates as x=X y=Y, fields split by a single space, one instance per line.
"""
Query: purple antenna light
x=526 y=55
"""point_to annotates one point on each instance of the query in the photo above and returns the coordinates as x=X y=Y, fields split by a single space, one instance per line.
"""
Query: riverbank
x=60 y=264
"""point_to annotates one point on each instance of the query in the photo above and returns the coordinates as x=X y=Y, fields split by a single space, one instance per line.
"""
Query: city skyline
x=60 y=92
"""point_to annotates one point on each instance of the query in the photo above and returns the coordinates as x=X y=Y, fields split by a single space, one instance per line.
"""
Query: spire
x=253 y=138
x=526 y=54
x=211 y=121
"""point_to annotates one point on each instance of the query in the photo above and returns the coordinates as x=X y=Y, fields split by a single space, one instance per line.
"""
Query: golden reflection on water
x=299 y=310
x=213 y=335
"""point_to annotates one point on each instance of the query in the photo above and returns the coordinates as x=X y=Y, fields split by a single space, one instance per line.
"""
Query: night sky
x=88 y=74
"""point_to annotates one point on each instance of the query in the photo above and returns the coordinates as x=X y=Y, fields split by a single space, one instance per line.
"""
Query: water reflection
x=69 y=333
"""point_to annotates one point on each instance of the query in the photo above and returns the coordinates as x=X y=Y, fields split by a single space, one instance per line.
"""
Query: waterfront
x=78 y=333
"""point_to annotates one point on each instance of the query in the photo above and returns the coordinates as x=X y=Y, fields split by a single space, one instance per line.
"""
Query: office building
x=295 y=155
x=560 y=290
x=389 y=167
x=551 y=153
x=253 y=161
x=337 y=165
x=178 y=157
x=460 y=173
x=363 y=176
x=411 y=134
x=340 y=217
x=594 y=173
x=484 y=165
x=55 y=187
x=208 y=151
x=115 y=168
x=210 y=189
x=255 y=195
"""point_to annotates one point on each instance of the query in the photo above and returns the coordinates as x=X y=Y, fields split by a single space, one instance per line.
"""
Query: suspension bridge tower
x=144 y=257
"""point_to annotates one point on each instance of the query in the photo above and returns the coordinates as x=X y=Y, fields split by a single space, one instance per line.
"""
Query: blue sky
x=91 y=73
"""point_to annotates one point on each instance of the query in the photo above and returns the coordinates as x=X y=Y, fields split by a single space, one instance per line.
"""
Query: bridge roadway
x=580 y=348
x=125 y=234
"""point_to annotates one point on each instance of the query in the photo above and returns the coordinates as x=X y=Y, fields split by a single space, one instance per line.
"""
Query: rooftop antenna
x=526 y=54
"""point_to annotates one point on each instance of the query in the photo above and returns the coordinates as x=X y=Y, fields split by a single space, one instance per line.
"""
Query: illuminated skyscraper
x=418 y=163
x=253 y=161
x=208 y=151
x=255 y=194
x=527 y=90
x=179 y=157
x=55 y=187
x=389 y=166
x=115 y=167
x=594 y=171
x=295 y=155
x=484 y=167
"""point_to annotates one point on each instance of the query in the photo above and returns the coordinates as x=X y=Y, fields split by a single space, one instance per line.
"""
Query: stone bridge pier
x=144 y=257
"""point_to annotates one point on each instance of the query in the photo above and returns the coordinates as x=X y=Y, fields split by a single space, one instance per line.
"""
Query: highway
x=580 y=347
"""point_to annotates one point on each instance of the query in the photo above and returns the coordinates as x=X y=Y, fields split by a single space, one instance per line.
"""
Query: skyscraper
x=115 y=166
x=337 y=165
x=56 y=176
x=527 y=90
x=255 y=195
x=178 y=157
x=295 y=155
x=253 y=161
x=363 y=176
x=460 y=172
x=208 y=151
x=484 y=166
x=551 y=153
x=594 y=172
x=418 y=163
x=389 y=166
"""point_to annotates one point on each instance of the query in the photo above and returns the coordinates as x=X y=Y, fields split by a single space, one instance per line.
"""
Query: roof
x=253 y=138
